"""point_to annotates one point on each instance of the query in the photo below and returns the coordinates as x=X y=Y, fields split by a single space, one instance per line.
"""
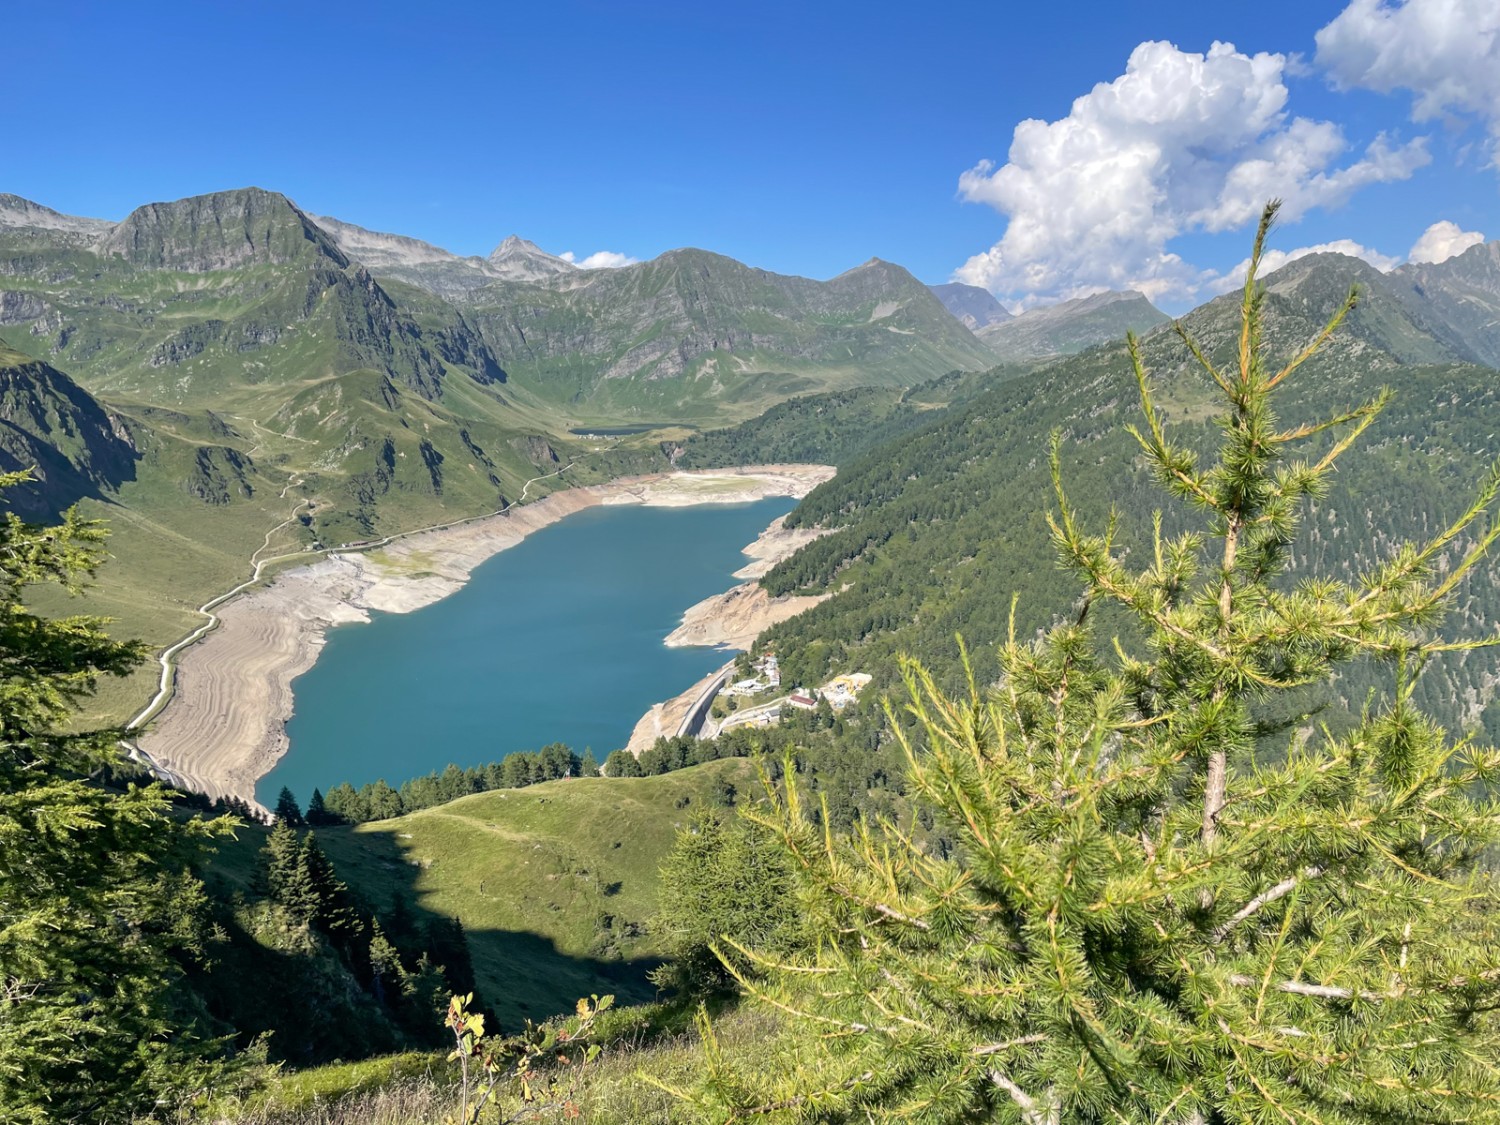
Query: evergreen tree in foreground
x=90 y=910
x=1142 y=922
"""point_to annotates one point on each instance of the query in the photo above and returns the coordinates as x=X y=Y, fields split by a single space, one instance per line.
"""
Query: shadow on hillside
x=519 y=974
x=58 y=483
x=252 y=987
x=302 y=992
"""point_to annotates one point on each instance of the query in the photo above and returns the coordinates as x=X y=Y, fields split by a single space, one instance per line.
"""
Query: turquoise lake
x=558 y=639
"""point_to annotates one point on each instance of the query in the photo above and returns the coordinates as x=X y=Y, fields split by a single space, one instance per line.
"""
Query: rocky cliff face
x=225 y=230
x=53 y=427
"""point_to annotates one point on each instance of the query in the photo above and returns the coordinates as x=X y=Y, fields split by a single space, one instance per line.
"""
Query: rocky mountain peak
x=517 y=259
x=223 y=230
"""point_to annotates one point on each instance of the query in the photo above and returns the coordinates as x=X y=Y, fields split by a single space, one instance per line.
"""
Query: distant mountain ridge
x=18 y=212
x=975 y=307
x=1460 y=298
x=1072 y=326
x=691 y=331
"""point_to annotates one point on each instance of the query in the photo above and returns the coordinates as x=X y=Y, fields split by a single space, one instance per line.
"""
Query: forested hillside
x=836 y=427
x=937 y=528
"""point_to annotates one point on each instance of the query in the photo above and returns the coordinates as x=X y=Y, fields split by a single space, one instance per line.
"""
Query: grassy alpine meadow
x=555 y=884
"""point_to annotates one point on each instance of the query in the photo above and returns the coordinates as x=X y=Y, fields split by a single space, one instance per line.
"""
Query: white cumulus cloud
x=1442 y=241
x=1446 y=52
x=1179 y=143
x=1273 y=260
x=599 y=260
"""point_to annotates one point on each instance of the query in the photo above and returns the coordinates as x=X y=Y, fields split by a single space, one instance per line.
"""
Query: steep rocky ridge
x=51 y=426
x=220 y=231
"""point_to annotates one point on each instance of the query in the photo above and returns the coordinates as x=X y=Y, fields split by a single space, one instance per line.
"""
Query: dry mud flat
x=224 y=728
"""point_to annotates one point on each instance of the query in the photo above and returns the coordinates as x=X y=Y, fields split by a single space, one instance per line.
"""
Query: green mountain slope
x=933 y=531
x=555 y=884
x=696 y=336
x=1071 y=326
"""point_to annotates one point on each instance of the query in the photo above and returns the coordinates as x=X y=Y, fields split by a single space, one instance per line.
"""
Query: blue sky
x=799 y=137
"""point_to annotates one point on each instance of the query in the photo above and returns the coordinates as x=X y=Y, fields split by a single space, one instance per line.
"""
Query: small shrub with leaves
x=538 y=1068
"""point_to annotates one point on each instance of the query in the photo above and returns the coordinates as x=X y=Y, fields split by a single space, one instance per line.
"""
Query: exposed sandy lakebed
x=225 y=726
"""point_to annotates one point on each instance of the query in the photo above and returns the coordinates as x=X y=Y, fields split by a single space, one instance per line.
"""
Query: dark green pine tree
x=318 y=815
x=288 y=812
x=90 y=904
x=387 y=974
x=1145 y=918
x=424 y=999
x=285 y=875
x=276 y=865
x=333 y=912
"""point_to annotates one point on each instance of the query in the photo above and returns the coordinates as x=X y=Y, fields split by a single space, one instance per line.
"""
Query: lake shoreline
x=224 y=728
x=729 y=622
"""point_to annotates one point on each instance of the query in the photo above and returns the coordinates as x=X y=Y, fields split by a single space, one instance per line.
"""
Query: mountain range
x=210 y=368
x=974 y=477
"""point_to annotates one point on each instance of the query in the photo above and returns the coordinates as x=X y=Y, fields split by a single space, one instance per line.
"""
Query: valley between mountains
x=231 y=381
x=335 y=424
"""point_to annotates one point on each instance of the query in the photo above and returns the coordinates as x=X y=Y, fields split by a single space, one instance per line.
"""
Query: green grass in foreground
x=556 y=884
x=416 y=1089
